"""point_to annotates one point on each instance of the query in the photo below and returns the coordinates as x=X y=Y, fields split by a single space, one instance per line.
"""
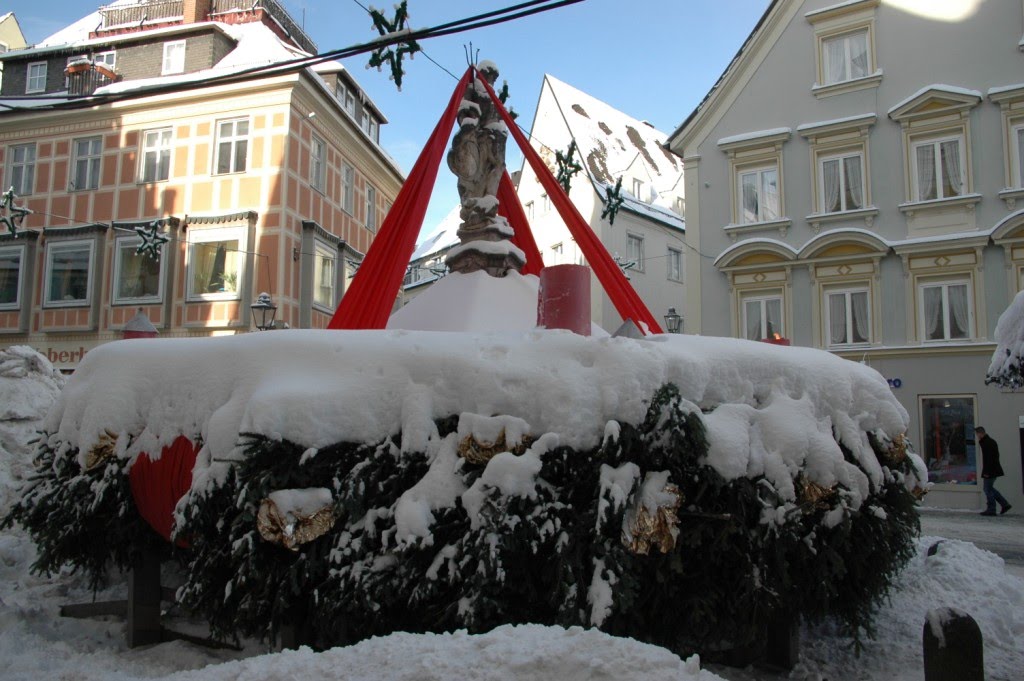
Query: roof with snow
x=611 y=142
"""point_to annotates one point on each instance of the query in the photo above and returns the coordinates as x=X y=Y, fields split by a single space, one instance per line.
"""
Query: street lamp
x=263 y=312
x=673 y=321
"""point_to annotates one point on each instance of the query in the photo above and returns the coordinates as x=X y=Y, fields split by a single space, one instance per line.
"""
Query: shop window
x=11 y=259
x=762 y=317
x=87 y=163
x=69 y=271
x=848 y=317
x=215 y=264
x=156 y=155
x=948 y=446
x=232 y=146
x=323 y=277
x=946 y=311
x=22 y=168
x=138 y=277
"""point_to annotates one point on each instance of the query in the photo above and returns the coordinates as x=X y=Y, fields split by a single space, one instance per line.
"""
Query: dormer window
x=36 y=78
x=174 y=57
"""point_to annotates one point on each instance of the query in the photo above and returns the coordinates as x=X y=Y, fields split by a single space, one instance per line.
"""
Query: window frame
x=55 y=247
x=233 y=140
x=971 y=452
x=159 y=149
x=638 y=257
x=317 y=163
x=348 y=188
x=674 y=255
x=936 y=141
x=29 y=77
x=757 y=170
x=196 y=237
x=20 y=251
x=172 y=62
x=842 y=22
x=848 y=292
x=371 y=207
x=848 y=61
x=944 y=284
x=93 y=163
x=841 y=156
x=1017 y=154
x=322 y=250
x=129 y=241
x=762 y=298
x=25 y=184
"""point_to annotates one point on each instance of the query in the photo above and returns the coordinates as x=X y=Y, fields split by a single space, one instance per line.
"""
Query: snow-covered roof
x=938 y=87
x=611 y=142
x=441 y=238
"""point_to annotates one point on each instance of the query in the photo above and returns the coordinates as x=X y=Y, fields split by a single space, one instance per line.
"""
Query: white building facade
x=854 y=183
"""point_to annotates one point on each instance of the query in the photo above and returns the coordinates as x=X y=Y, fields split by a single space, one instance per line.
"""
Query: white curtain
x=958 y=311
x=1020 y=157
x=952 y=184
x=773 y=312
x=752 y=309
x=836 y=54
x=859 y=307
x=858 y=55
x=933 y=312
x=926 y=172
x=854 y=183
x=837 y=318
x=769 y=194
x=830 y=180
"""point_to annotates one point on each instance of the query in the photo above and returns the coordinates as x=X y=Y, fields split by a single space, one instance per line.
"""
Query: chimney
x=195 y=11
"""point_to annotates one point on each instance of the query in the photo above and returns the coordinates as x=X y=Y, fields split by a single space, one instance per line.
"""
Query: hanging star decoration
x=392 y=54
x=567 y=166
x=12 y=215
x=151 y=239
x=613 y=202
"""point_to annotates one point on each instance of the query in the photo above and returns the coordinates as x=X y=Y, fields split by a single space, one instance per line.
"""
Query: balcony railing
x=145 y=11
x=161 y=11
x=276 y=11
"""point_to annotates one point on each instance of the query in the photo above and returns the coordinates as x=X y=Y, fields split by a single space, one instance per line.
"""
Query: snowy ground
x=36 y=643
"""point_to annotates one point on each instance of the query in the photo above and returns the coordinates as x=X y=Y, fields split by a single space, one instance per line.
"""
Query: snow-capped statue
x=477 y=157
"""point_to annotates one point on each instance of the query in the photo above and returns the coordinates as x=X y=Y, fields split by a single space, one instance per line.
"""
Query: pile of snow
x=28 y=387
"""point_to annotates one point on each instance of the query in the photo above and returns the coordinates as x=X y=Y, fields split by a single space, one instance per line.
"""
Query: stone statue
x=477 y=158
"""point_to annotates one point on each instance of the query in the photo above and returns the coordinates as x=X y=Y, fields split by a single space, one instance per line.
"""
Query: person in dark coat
x=990 y=470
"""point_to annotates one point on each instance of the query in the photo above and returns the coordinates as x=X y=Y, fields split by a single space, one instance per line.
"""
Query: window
x=374 y=130
x=215 y=263
x=11 y=258
x=36 y=77
x=348 y=181
x=759 y=189
x=556 y=254
x=138 y=278
x=845 y=57
x=317 y=168
x=635 y=251
x=323 y=277
x=232 y=145
x=156 y=155
x=23 y=168
x=762 y=318
x=841 y=183
x=638 y=186
x=1017 y=136
x=675 y=264
x=371 y=208
x=529 y=210
x=87 y=163
x=350 y=103
x=108 y=58
x=938 y=169
x=545 y=204
x=68 y=278
x=950 y=451
x=847 y=318
x=679 y=205
x=174 y=57
x=946 y=311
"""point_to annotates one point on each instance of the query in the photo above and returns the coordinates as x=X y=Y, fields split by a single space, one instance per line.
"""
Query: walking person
x=990 y=470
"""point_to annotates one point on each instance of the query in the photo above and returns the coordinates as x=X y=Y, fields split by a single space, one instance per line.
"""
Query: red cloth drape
x=512 y=210
x=158 y=484
x=367 y=303
x=626 y=301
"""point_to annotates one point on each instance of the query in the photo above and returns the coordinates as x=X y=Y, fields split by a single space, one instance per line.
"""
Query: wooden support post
x=143 y=626
x=782 y=641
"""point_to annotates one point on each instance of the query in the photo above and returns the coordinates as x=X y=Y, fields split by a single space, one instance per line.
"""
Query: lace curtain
x=952 y=184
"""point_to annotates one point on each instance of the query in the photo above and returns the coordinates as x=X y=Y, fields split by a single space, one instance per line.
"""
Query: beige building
x=853 y=183
x=260 y=182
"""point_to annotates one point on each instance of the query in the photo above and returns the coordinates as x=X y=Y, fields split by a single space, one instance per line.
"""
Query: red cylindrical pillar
x=563 y=298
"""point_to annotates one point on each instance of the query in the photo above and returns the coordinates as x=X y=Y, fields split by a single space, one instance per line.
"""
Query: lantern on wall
x=263 y=312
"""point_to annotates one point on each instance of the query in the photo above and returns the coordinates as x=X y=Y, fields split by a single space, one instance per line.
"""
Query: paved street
x=1001 y=534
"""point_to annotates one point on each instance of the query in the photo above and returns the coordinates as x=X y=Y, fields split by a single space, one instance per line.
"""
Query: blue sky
x=651 y=59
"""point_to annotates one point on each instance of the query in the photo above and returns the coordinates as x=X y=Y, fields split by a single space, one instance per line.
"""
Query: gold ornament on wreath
x=897 y=451
x=476 y=452
x=290 y=529
x=102 y=451
x=654 y=530
x=813 y=495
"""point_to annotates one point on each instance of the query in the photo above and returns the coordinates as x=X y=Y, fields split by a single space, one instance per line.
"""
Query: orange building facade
x=269 y=185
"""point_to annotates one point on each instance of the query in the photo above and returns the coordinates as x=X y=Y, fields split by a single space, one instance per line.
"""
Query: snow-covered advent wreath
x=678 y=490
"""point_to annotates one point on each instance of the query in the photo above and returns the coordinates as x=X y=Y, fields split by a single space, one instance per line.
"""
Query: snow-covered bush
x=1007 y=366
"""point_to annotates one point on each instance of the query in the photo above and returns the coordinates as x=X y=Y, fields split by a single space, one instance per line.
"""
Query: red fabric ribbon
x=512 y=210
x=158 y=484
